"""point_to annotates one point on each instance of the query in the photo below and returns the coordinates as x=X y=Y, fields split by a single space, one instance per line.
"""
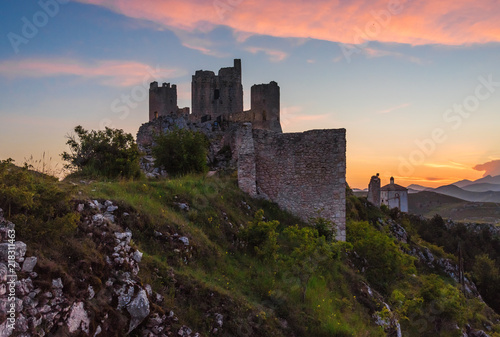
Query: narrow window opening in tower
x=156 y=114
x=264 y=115
x=216 y=94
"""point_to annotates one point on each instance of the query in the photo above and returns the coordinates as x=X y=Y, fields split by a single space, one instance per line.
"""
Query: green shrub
x=261 y=237
x=111 y=153
x=325 y=227
x=181 y=151
x=382 y=259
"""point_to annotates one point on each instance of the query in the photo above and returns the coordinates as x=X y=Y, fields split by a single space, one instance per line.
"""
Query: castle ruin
x=304 y=173
x=214 y=96
x=392 y=195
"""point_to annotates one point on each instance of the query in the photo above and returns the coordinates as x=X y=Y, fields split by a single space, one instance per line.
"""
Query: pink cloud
x=490 y=168
x=446 y=22
x=275 y=55
x=110 y=72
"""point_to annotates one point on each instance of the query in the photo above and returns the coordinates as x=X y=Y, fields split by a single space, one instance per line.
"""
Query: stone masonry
x=213 y=95
x=374 y=190
x=163 y=101
x=303 y=173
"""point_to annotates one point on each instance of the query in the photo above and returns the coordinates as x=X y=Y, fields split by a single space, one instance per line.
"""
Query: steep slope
x=195 y=257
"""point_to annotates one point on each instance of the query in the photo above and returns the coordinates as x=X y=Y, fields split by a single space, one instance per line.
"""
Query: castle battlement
x=303 y=173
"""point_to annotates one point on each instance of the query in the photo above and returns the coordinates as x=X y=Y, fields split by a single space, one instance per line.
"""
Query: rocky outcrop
x=29 y=310
x=381 y=312
x=440 y=265
x=221 y=153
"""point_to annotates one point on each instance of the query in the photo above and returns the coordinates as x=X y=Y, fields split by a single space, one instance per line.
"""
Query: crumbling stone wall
x=265 y=103
x=303 y=173
x=213 y=95
x=162 y=100
x=265 y=108
x=374 y=190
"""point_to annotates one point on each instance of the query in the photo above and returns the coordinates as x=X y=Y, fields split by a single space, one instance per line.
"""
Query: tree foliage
x=181 y=151
x=109 y=153
x=380 y=256
x=261 y=237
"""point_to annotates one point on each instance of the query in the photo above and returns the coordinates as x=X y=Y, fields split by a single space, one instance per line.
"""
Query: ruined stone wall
x=230 y=89
x=217 y=95
x=374 y=190
x=265 y=101
x=202 y=93
x=303 y=173
x=265 y=109
x=162 y=100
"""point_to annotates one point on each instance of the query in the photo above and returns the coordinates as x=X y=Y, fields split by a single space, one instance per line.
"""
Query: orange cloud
x=446 y=22
x=111 y=72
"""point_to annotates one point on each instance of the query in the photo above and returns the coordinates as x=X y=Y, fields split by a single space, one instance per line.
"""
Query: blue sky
x=389 y=80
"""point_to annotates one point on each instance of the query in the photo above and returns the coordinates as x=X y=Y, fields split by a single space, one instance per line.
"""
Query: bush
x=261 y=237
x=379 y=255
x=111 y=153
x=181 y=151
x=325 y=227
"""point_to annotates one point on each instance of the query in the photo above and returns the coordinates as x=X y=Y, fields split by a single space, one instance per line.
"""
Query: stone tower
x=265 y=106
x=215 y=96
x=162 y=100
x=374 y=190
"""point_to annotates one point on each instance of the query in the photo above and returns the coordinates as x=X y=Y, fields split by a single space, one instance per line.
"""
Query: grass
x=220 y=263
x=219 y=274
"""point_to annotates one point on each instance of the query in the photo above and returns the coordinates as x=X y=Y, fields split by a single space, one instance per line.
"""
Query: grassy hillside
x=429 y=204
x=209 y=250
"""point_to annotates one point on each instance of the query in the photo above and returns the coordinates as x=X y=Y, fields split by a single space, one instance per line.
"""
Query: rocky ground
x=29 y=310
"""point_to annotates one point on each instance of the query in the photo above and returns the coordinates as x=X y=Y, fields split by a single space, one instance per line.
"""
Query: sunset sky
x=416 y=84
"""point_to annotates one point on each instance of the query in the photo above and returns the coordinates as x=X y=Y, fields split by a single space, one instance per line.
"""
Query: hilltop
x=195 y=256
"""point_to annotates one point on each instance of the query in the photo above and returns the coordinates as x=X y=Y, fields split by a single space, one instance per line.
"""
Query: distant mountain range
x=488 y=180
x=486 y=189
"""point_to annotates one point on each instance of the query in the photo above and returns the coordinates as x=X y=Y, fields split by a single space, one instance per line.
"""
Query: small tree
x=109 y=153
x=181 y=151
x=325 y=227
x=261 y=237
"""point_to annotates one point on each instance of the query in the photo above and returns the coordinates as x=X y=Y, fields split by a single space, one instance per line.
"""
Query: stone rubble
x=40 y=313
